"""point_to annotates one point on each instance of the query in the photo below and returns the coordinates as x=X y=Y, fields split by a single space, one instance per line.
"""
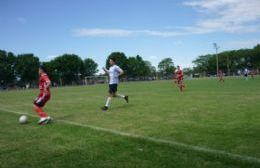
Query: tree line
x=230 y=62
x=68 y=69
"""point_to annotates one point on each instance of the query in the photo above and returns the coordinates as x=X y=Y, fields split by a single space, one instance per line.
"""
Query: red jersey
x=179 y=74
x=44 y=82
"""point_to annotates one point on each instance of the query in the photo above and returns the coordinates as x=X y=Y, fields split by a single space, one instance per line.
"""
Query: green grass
x=208 y=114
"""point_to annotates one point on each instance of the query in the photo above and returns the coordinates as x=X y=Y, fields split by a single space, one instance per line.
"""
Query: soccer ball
x=23 y=119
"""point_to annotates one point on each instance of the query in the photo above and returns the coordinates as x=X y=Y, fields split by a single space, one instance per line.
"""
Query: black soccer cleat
x=105 y=108
x=126 y=99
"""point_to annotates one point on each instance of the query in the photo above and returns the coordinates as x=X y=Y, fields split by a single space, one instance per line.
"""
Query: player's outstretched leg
x=123 y=97
x=181 y=88
x=109 y=98
x=44 y=118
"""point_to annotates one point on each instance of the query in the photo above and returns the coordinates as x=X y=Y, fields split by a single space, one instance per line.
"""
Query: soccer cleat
x=105 y=108
x=49 y=120
x=44 y=120
x=126 y=99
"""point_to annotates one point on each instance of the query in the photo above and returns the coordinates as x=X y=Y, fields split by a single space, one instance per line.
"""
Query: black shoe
x=105 y=108
x=126 y=99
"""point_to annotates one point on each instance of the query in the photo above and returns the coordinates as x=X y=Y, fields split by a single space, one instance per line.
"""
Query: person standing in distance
x=114 y=72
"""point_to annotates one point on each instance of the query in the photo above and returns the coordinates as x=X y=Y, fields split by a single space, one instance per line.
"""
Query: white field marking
x=215 y=152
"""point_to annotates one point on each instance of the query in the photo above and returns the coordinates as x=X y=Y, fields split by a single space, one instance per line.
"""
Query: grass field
x=208 y=125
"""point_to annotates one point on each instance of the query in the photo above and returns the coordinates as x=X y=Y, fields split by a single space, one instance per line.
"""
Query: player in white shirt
x=114 y=72
x=246 y=72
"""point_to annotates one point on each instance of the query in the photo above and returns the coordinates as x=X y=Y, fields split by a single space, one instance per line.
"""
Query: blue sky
x=154 y=29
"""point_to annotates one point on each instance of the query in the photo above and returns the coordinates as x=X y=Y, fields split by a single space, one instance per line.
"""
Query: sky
x=153 y=29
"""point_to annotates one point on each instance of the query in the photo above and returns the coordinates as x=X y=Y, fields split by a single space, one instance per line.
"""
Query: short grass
x=208 y=114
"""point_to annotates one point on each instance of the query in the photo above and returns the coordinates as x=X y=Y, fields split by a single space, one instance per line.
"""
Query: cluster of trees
x=229 y=61
x=70 y=69
x=18 y=69
x=22 y=69
x=135 y=66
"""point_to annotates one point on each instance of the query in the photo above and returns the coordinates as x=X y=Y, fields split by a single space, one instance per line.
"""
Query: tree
x=132 y=67
x=69 y=68
x=52 y=72
x=7 y=68
x=150 y=69
x=90 y=67
x=166 y=67
x=229 y=61
x=27 y=68
x=202 y=64
x=187 y=71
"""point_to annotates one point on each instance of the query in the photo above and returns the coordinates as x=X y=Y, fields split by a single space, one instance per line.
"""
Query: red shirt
x=179 y=74
x=43 y=83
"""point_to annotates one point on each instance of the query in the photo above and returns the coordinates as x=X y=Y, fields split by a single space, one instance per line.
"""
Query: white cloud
x=84 y=32
x=153 y=58
x=230 y=16
x=226 y=15
x=50 y=57
x=102 y=32
x=21 y=20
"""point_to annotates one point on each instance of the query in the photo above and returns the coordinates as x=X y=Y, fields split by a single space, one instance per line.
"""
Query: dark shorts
x=112 y=88
x=41 y=100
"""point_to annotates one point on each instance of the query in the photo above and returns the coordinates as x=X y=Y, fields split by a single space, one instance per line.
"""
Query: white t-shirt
x=114 y=72
x=246 y=71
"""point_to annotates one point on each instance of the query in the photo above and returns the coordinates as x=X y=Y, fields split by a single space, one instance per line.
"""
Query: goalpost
x=92 y=80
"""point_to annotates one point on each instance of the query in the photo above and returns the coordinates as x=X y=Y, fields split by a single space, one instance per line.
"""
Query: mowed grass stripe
x=215 y=152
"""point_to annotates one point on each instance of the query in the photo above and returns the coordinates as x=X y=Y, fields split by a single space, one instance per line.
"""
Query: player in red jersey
x=179 y=78
x=221 y=76
x=43 y=97
x=252 y=73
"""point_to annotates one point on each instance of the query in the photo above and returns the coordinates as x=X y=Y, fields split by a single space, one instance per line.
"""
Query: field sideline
x=220 y=120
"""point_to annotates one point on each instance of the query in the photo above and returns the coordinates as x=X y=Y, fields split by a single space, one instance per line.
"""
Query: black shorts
x=112 y=88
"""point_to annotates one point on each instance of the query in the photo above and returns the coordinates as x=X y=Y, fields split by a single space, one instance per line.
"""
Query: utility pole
x=228 y=69
x=216 y=47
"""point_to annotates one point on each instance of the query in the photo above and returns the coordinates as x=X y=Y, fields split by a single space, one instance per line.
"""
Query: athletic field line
x=215 y=152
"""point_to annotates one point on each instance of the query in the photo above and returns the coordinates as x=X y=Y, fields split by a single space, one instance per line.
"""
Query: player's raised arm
x=104 y=69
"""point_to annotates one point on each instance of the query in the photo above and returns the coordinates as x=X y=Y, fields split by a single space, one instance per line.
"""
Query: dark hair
x=113 y=59
x=43 y=68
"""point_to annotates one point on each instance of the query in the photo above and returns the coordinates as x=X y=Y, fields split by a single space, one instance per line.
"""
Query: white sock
x=108 y=101
x=121 y=96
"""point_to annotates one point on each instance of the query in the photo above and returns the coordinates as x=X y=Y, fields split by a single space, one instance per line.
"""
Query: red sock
x=40 y=112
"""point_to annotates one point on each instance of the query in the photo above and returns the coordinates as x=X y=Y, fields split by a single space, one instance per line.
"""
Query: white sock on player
x=121 y=96
x=108 y=101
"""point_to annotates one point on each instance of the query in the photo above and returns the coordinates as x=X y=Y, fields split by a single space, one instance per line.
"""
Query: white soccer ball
x=23 y=119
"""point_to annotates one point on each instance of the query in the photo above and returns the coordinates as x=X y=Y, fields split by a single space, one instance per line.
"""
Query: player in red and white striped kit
x=43 y=97
x=179 y=78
